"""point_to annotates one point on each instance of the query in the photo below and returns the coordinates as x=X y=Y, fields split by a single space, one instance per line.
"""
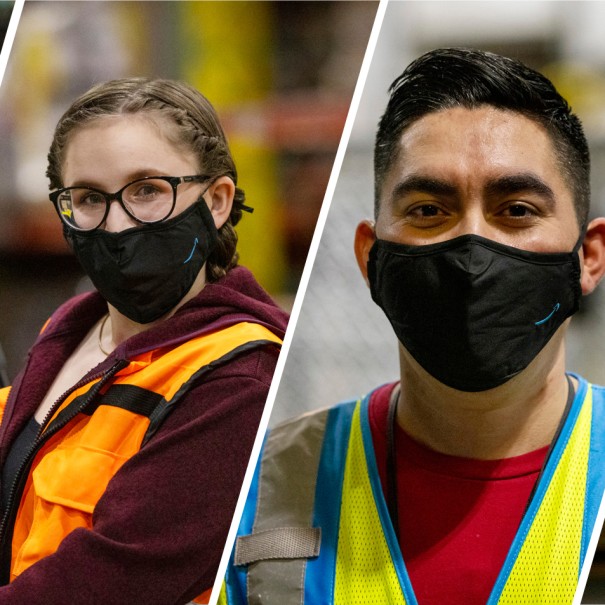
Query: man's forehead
x=485 y=141
x=461 y=125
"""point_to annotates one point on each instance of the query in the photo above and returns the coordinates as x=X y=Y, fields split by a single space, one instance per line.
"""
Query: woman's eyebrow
x=134 y=175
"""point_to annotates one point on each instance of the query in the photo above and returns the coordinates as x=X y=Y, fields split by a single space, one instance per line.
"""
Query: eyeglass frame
x=174 y=182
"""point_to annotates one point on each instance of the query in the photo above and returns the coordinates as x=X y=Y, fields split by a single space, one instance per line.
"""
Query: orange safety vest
x=78 y=453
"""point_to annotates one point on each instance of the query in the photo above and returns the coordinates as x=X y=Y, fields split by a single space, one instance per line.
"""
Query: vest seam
x=164 y=407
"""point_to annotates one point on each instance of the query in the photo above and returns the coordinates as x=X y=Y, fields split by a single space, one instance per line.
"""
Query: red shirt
x=457 y=516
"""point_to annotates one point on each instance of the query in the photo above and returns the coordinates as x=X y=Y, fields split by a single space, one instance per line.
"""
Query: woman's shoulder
x=76 y=313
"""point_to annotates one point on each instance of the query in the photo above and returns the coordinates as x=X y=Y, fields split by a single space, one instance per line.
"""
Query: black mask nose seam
x=145 y=271
x=473 y=312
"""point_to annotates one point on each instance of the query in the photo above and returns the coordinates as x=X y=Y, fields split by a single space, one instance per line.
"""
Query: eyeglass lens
x=149 y=200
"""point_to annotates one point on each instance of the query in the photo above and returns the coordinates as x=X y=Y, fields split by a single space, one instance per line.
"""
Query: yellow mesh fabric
x=222 y=597
x=547 y=567
x=364 y=570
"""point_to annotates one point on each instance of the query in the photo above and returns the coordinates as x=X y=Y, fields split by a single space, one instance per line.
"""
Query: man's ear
x=365 y=236
x=593 y=255
x=220 y=199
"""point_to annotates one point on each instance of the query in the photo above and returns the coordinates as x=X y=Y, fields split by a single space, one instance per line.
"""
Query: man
x=477 y=477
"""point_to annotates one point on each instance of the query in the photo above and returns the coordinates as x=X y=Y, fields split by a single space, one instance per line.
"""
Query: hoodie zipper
x=8 y=519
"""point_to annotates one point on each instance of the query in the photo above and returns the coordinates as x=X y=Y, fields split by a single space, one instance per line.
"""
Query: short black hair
x=463 y=77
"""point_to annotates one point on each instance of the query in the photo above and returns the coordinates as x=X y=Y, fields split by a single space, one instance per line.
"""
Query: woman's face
x=112 y=151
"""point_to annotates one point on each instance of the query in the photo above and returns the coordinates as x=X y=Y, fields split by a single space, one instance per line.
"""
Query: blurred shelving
x=280 y=74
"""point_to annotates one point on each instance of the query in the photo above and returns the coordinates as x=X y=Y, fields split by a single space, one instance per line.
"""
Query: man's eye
x=425 y=211
x=519 y=211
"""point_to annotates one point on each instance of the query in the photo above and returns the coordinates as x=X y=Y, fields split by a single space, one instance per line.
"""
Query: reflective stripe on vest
x=110 y=430
x=4 y=392
x=278 y=522
x=359 y=560
x=545 y=558
x=202 y=599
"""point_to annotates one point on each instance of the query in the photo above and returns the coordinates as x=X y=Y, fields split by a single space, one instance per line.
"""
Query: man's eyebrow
x=505 y=185
x=518 y=183
x=416 y=183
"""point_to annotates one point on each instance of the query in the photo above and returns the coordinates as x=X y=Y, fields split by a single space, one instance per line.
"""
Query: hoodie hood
x=234 y=298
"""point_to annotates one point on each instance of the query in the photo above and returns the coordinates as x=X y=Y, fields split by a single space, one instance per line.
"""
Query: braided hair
x=188 y=120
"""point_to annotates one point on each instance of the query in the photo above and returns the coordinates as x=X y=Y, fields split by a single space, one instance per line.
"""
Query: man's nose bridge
x=474 y=221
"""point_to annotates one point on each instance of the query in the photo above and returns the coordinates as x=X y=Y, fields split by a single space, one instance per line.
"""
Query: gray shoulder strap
x=283 y=537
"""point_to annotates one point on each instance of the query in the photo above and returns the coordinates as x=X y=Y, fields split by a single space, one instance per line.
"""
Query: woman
x=125 y=439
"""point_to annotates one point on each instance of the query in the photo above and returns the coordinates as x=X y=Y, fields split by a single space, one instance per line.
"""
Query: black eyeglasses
x=147 y=200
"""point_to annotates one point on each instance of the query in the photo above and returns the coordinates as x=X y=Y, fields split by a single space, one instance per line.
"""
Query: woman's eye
x=92 y=198
x=146 y=192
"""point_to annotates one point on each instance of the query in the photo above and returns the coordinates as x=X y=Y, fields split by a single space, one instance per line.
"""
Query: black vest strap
x=128 y=397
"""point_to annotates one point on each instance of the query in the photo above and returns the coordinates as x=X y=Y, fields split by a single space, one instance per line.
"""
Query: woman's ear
x=365 y=236
x=593 y=255
x=219 y=198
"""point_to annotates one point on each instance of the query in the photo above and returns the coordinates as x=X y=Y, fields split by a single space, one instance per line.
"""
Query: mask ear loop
x=580 y=241
x=240 y=205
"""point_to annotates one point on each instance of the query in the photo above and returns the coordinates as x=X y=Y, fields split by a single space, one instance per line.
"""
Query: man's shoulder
x=309 y=430
x=597 y=388
x=598 y=395
x=585 y=387
x=313 y=416
x=593 y=395
x=305 y=434
x=321 y=414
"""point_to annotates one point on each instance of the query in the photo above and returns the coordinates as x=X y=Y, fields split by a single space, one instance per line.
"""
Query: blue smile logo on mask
x=140 y=271
x=543 y=321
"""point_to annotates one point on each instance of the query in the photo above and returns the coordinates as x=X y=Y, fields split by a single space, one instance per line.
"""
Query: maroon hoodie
x=159 y=528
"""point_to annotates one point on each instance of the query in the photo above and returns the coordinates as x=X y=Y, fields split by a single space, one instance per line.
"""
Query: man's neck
x=517 y=417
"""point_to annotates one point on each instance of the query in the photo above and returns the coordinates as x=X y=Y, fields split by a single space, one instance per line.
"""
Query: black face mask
x=472 y=312
x=145 y=271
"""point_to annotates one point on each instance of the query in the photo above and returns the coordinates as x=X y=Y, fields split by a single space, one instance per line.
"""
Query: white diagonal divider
x=10 y=36
x=363 y=73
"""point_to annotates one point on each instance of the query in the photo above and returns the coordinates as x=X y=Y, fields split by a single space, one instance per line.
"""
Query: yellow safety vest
x=316 y=528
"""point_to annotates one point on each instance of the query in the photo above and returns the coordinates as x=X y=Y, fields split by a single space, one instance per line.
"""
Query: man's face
x=484 y=171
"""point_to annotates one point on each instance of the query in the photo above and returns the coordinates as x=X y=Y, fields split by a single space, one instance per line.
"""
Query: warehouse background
x=343 y=345
x=6 y=9
x=280 y=74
